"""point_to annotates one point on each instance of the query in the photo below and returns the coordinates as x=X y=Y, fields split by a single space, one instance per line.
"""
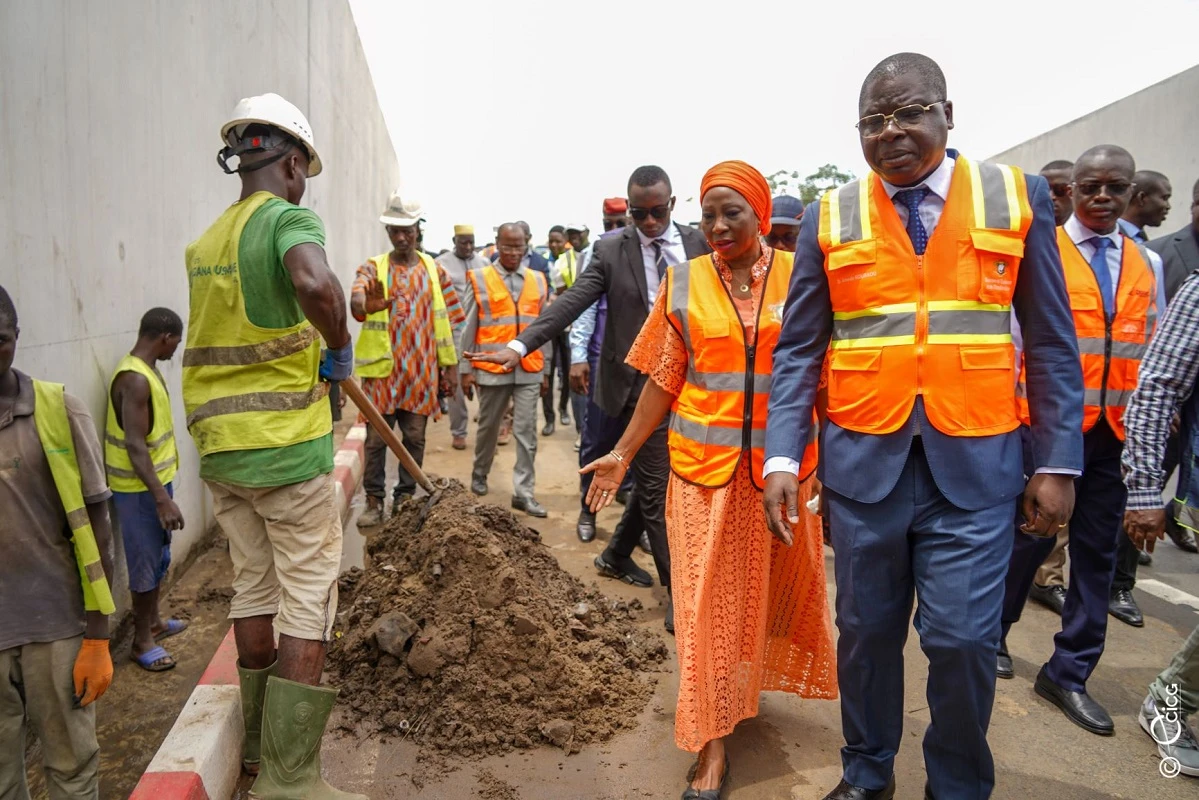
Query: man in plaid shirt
x=1166 y=384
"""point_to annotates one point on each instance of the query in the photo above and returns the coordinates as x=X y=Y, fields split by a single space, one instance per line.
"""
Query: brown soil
x=465 y=635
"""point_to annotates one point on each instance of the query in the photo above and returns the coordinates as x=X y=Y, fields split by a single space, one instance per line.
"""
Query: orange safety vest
x=938 y=324
x=501 y=320
x=1111 y=353
x=721 y=411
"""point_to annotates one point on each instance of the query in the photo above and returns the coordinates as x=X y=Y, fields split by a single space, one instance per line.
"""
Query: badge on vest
x=1001 y=267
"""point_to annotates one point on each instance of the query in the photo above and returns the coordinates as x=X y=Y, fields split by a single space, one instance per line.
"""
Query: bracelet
x=620 y=458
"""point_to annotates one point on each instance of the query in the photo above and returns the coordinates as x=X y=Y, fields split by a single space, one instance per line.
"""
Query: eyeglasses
x=512 y=248
x=907 y=117
x=1059 y=189
x=1113 y=189
x=613 y=224
x=657 y=212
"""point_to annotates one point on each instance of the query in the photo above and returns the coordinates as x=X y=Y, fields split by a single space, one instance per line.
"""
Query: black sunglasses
x=613 y=224
x=657 y=212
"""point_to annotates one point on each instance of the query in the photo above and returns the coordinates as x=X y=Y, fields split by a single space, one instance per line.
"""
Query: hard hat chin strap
x=257 y=143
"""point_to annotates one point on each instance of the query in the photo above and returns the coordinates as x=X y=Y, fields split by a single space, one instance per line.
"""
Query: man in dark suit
x=1180 y=250
x=628 y=268
x=910 y=293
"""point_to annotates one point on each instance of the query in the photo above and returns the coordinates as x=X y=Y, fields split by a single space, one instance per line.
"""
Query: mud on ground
x=465 y=635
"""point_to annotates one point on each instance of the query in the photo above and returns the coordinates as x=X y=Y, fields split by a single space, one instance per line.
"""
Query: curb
x=201 y=757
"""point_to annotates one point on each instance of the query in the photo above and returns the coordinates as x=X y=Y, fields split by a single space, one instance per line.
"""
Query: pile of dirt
x=467 y=636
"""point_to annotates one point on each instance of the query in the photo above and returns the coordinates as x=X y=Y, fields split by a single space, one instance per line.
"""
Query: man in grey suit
x=628 y=268
x=1180 y=250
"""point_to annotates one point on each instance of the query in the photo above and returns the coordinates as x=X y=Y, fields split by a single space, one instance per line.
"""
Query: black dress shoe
x=1052 y=597
x=1123 y=606
x=706 y=794
x=548 y=430
x=1144 y=559
x=669 y=622
x=611 y=565
x=585 y=527
x=847 y=791
x=529 y=506
x=1183 y=539
x=1079 y=707
x=644 y=544
x=1003 y=663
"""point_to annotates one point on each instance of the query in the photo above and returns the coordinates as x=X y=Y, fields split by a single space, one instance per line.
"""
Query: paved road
x=791 y=750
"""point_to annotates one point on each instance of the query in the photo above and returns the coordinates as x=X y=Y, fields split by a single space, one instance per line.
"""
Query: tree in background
x=830 y=176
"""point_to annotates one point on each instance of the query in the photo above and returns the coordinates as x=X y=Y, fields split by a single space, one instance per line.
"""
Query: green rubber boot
x=253 y=691
x=293 y=723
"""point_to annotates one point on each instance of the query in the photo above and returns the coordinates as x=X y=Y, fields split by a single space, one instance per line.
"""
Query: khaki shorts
x=285 y=542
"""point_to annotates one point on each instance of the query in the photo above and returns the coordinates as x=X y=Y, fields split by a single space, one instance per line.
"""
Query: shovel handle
x=355 y=393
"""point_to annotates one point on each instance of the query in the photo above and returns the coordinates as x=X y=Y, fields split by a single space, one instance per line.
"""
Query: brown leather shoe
x=459 y=443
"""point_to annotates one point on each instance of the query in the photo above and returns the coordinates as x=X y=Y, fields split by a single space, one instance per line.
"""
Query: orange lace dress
x=750 y=613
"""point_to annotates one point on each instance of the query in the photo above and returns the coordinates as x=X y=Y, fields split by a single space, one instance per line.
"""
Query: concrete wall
x=110 y=115
x=1157 y=125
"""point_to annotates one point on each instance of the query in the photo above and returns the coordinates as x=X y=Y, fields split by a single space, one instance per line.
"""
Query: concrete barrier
x=201 y=757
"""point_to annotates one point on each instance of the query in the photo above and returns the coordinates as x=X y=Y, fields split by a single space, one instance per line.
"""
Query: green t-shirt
x=271 y=302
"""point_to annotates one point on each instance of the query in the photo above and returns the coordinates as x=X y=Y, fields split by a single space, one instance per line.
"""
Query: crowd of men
x=256 y=377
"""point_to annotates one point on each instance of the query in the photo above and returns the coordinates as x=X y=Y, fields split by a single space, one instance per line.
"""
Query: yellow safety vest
x=566 y=267
x=160 y=441
x=245 y=387
x=54 y=432
x=373 y=357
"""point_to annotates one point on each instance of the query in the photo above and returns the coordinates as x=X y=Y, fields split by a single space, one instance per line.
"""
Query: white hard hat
x=399 y=212
x=271 y=109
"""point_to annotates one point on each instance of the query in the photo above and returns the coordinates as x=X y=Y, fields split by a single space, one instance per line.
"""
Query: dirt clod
x=505 y=650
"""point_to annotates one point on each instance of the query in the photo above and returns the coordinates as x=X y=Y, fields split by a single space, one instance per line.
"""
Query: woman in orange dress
x=751 y=611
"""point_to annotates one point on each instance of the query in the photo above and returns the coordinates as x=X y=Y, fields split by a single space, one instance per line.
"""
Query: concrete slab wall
x=110 y=115
x=1157 y=125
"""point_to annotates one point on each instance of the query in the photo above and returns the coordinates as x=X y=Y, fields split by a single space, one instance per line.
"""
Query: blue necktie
x=911 y=199
x=1102 y=273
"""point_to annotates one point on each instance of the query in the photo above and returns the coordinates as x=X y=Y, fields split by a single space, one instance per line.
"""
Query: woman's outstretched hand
x=608 y=472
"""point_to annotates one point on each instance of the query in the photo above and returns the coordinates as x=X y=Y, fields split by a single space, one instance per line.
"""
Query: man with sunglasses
x=1114 y=299
x=1058 y=175
x=628 y=268
x=908 y=279
x=785 y=215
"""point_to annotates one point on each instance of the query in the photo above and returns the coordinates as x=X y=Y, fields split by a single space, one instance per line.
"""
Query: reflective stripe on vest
x=500 y=319
x=1110 y=352
x=373 y=355
x=160 y=440
x=54 y=433
x=244 y=387
x=720 y=413
x=933 y=324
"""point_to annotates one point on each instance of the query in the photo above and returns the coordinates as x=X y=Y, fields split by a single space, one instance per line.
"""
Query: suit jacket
x=617 y=270
x=972 y=472
x=1180 y=257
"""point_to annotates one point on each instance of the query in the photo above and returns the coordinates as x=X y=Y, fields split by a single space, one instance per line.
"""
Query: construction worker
x=55 y=573
x=261 y=298
x=504 y=299
x=1114 y=299
x=141 y=459
x=907 y=279
x=405 y=352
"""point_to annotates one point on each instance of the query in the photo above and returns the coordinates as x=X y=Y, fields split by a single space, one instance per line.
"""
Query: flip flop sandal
x=174 y=626
x=147 y=660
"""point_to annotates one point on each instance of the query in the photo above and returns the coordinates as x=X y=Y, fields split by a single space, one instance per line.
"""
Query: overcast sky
x=538 y=109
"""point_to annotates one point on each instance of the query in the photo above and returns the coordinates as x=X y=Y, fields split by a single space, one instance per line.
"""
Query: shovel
x=355 y=393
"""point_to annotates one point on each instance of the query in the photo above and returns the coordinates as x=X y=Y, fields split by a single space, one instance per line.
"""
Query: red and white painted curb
x=201 y=756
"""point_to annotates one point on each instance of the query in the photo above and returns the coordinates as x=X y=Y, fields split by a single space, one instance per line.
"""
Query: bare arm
x=318 y=292
x=134 y=393
x=610 y=469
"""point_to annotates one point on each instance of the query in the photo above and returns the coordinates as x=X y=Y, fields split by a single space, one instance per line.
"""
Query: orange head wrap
x=747 y=182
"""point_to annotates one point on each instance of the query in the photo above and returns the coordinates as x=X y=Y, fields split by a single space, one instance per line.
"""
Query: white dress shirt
x=672 y=247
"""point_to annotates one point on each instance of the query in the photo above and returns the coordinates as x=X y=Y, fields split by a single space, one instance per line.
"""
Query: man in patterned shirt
x=407 y=304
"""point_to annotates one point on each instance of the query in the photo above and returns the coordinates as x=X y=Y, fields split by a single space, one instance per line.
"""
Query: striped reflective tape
x=117 y=472
x=244 y=354
x=374 y=325
x=996 y=203
x=1112 y=397
x=715 y=435
x=151 y=444
x=253 y=402
x=849 y=212
x=1095 y=346
x=727 y=381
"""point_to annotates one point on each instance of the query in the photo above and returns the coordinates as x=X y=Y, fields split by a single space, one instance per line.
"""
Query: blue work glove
x=337 y=365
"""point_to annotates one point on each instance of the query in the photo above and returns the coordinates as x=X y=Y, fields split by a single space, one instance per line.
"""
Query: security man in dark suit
x=628 y=268
x=907 y=280
x=1180 y=250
